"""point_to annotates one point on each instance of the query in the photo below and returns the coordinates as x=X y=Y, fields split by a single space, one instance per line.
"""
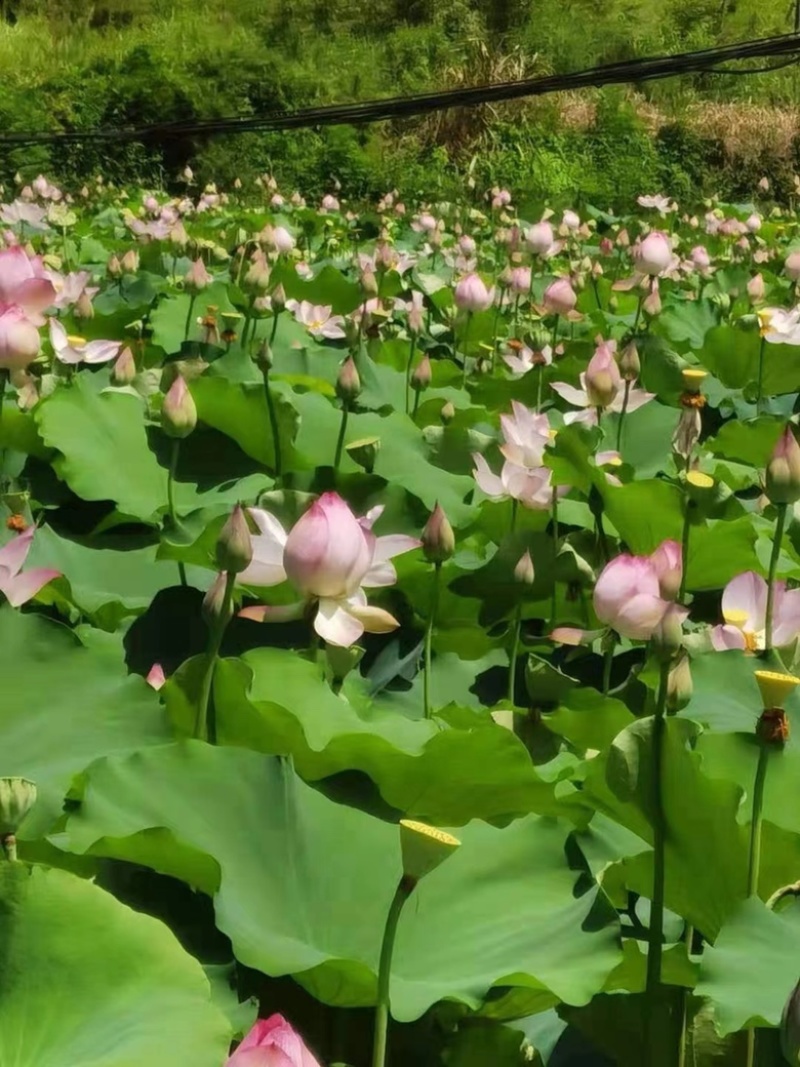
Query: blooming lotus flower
x=661 y=204
x=330 y=557
x=70 y=288
x=586 y=398
x=780 y=326
x=19 y=339
x=471 y=294
x=526 y=359
x=78 y=350
x=519 y=281
x=627 y=597
x=540 y=239
x=272 y=1043
x=667 y=560
x=318 y=319
x=17 y=586
x=23 y=281
x=523 y=476
x=20 y=212
x=744 y=609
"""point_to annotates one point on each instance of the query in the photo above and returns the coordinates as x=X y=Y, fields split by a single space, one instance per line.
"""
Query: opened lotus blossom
x=601 y=365
x=20 y=586
x=24 y=282
x=780 y=326
x=744 y=609
x=272 y=1042
x=525 y=359
x=628 y=595
x=330 y=557
x=318 y=319
x=74 y=350
x=523 y=476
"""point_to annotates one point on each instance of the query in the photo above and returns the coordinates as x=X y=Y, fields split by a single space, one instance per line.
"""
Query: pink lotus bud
x=756 y=289
x=130 y=261
x=559 y=297
x=523 y=572
x=652 y=302
x=540 y=238
x=348 y=383
x=792 y=266
x=668 y=563
x=234 y=548
x=272 y=1043
x=783 y=470
x=654 y=254
x=216 y=608
x=369 y=284
x=156 y=678
x=606 y=246
x=519 y=280
x=278 y=299
x=627 y=597
x=124 y=369
x=114 y=267
x=700 y=257
x=680 y=687
x=668 y=634
x=571 y=220
x=629 y=363
x=753 y=222
x=327 y=553
x=178 y=412
x=83 y=306
x=19 y=339
x=472 y=295
x=421 y=378
x=448 y=413
x=197 y=277
x=151 y=205
x=603 y=380
x=763 y=184
x=467 y=245
x=330 y=203
x=284 y=242
x=438 y=539
x=258 y=274
x=187 y=174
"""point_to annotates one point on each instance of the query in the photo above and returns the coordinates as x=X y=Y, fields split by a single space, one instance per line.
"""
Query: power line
x=705 y=61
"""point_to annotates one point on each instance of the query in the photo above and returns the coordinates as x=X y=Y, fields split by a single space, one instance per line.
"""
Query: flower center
x=76 y=342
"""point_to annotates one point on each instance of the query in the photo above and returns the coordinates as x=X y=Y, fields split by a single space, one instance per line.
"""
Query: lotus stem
x=426 y=680
x=754 y=858
x=189 y=313
x=760 y=387
x=684 y=551
x=464 y=340
x=337 y=457
x=773 y=566
x=205 y=728
x=512 y=666
x=404 y=890
x=273 y=422
x=625 y=397
x=411 y=352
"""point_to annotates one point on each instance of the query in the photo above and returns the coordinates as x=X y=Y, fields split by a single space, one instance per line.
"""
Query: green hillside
x=113 y=62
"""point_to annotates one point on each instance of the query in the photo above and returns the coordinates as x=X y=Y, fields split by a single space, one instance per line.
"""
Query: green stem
x=173 y=468
x=426 y=680
x=464 y=340
x=402 y=893
x=754 y=858
x=411 y=352
x=273 y=422
x=555 y=554
x=622 y=414
x=205 y=726
x=759 y=391
x=512 y=665
x=188 y=326
x=773 y=566
x=684 y=1037
x=608 y=663
x=638 y=313
x=337 y=456
x=415 y=409
x=684 y=551
x=655 y=937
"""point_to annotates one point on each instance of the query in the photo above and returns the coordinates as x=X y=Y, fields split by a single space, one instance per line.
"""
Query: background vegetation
x=73 y=64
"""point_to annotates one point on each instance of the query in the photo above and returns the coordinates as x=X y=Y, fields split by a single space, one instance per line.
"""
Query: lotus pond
x=400 y=632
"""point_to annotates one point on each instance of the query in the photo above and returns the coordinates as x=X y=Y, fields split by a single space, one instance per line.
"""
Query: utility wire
x=637 y=70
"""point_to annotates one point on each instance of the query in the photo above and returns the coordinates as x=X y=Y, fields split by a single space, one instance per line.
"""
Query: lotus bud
x=83 y=307
x=603 y=380
x=278 y=299
x=523 y=572
x=448 y=413
x=258 y=274
x=197 y=277
x=178 y=412
x=130 y=261
x=234 y=550
x=348 y=383
x=423 y=849
x=369 y=284
x=756 y=289
x=263 y=357
x=438 y=539
x=559 y=297
x=471 y=294
x=114 y=267
x=668 y=635
x=17 y=797
x=783 y=470
x=364 y=452
x=217 y=609
x=124 y=369
x=790 y=1027
x=421 y=378
x=630 y=365
x=680 y=687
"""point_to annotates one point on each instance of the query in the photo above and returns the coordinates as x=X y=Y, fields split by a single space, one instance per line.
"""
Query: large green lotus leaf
x=752 y=967
x=647 y=438
x=18 y=431
x=688 y=323
x=87 y=980
x=749 y=442
x=706 y=852
x=328 y=288
x=732 y=355
x=446 y=775
x=102 y=446
x=305 y=883
x=726 y=696
x=68 y=701
x=170 y=317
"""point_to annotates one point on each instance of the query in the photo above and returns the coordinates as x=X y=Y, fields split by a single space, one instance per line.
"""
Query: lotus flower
x=654 y=255
x=23 y=281
x=660 y=203
x=588 y=395
x=69 y=288
x=523 y=476
x=317 y=319
x=19 y=339
x=330 y=557
x=74 y=350
x=744 y=609
x=560 y=298
x=471 y=294
x=272 y=1042
x=19 y=587
x=779 y=326
x=524 y=360
x=627 y=597
x=540 y=239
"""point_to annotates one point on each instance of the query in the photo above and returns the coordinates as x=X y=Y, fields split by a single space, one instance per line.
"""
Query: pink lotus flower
x=18 y=587
x=283 y=240
x=19 y=212
x=78 y=350
x=660 y=203
x=526 y=359
x=329 y=203
x=471 y=294
x=523 y=476
x=197 y=277
x=587 y=396
x=667 y=560
x=156 y=678
x=779 y=326
x=19 y=339
x=744 y=609
x=24 y=282
x=571 y=220
x=318 y=319
x=627 y=597
x=654 y=255
x=540 y=240
x=792 y=266
x=272 y=1042
x=756 y=289
x=519 y=281
x=560 y=298
x=330 y=557
x=69 y=288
